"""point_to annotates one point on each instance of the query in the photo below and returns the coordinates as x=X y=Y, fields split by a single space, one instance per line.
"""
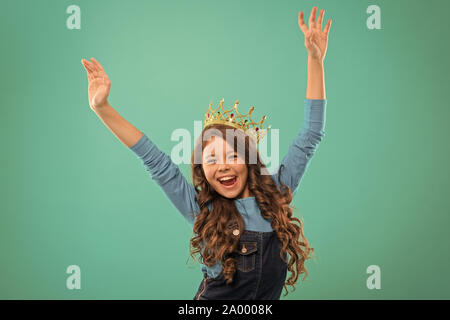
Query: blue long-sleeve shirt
x=182 y=194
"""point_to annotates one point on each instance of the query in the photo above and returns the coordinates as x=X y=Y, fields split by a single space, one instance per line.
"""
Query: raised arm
x=169 y=177
x=304 y=145
x=301 y=150
x=316 y=42
x=99 y=86
x=158 y=164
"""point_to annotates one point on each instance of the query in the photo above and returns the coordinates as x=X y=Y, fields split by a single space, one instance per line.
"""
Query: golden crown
x=233 y=118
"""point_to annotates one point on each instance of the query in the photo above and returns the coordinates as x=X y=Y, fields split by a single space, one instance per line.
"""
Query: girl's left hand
x=315 y=39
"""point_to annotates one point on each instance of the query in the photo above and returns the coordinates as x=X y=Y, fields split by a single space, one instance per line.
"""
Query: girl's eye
x=211 y=160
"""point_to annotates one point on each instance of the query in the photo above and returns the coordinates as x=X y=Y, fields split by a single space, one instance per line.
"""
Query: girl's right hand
x=99 y=84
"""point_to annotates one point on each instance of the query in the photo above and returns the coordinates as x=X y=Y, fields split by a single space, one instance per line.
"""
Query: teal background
x=375 y=193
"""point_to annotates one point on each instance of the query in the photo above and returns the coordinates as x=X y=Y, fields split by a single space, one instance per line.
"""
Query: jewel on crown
x=233 y=118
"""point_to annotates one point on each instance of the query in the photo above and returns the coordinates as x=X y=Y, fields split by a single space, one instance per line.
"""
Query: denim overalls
x=260 y=271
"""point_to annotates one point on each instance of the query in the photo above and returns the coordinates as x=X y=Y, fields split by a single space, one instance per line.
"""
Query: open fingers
x=312 y=17
x=90 y=67
x=327 y=27
x=97 y=64
x=89 y=70
x=301 y=23
x=319 y=19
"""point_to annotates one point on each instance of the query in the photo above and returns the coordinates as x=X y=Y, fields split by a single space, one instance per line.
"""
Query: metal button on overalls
x=260 y=271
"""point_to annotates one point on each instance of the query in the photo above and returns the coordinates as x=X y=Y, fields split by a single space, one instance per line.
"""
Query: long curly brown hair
x=213 y=229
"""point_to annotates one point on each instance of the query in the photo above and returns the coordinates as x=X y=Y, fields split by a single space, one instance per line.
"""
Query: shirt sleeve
x=304 y=145
x=169 y=177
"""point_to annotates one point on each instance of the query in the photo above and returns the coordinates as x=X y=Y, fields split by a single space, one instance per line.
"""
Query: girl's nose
x=224 y=166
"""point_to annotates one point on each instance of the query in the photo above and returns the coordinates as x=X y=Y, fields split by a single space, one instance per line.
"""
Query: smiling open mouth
x=228 y=182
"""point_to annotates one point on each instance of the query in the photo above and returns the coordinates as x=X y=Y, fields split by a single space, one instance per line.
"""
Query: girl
x=241 y=217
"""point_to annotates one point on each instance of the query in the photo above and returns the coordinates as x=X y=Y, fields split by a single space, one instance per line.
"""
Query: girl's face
x=218 y=168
